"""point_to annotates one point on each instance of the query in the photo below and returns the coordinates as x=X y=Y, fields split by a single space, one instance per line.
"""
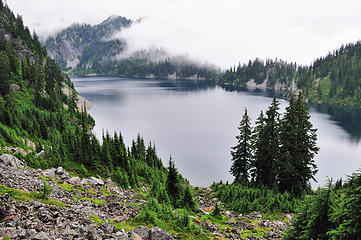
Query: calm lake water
x=196 y=123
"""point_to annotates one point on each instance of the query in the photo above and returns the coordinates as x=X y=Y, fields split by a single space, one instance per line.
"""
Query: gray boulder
x=74 y=180
x=49 y=172
x=84 y=181
x=142 y=231
x=95 y=181
x=59 y=171
x=41 y=154
x=158 y=233
x=62 y=173
x=9 y=161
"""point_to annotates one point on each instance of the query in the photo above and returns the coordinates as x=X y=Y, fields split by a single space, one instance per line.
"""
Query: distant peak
x=111 y=18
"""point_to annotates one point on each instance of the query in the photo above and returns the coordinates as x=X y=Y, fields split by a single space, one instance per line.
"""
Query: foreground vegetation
x=332 y=212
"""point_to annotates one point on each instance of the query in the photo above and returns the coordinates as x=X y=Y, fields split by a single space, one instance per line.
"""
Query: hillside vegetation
x=334 y=78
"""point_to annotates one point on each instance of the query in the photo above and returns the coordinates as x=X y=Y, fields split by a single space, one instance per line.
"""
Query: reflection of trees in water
x=180 y=85
x=259 y=92
x=349 y=118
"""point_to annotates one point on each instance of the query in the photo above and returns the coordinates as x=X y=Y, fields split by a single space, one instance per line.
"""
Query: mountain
x=82 y=49
x=331 y=79
x=85 y=44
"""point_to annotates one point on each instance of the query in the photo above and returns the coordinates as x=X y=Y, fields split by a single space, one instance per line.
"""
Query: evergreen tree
x=306 y=143
x=4 y=74
x=267 y=155
x=346 y=212
x=241 y=153
x=258 y=149
x=298 y=148
x=172 y=182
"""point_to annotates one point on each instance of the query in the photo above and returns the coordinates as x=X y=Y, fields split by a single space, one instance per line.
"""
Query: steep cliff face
x=79 y=44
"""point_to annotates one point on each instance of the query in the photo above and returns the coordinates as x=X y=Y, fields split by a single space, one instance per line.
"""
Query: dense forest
x=334 y=78
x=83 y=49
x=37 y=116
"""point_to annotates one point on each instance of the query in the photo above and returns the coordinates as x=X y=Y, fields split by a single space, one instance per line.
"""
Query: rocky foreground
x=96 y=209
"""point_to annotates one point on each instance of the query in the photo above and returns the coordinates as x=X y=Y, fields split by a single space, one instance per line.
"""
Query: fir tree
x=258 y=150
x=172 y=182
x=241 y=153
x=298 y=148
x=266 y=160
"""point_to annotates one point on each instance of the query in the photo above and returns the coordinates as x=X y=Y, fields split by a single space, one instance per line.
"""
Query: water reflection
x=348 y=118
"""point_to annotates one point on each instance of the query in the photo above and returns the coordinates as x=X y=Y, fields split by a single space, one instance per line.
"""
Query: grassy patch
x=127 y=225
x=97 y=201
x=256 y=232
x=96 y=219
x=131 y=204
x=70 y=188
x=19 y=195
x=105 y=192
x=45 y=178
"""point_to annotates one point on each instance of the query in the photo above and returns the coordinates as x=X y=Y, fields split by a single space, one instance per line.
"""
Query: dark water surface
x=196 y=122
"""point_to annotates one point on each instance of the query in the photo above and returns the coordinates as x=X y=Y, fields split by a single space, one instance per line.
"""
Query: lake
x=196 y=122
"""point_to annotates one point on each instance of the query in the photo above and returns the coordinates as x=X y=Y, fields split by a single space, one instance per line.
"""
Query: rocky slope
x=75 y=44
x=91 y=208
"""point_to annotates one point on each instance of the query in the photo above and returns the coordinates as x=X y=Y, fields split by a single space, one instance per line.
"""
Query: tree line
x=334 y=78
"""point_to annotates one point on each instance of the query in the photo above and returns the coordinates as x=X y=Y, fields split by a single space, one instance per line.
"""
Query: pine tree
x=241 y=153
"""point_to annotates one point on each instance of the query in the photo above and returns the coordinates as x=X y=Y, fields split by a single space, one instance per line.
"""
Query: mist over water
x=196 y=123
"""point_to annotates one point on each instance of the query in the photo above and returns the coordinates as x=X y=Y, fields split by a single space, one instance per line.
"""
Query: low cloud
x=220 y=32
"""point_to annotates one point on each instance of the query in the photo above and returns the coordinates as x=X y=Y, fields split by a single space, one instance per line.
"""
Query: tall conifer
x=242 y=152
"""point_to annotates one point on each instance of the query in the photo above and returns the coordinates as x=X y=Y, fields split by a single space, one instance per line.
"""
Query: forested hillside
x=84 y=44
x=38 y=117
x=82 y=49
x=333 y=79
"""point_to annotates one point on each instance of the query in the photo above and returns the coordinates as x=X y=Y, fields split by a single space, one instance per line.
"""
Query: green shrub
x=45 y=191
x=245 y=199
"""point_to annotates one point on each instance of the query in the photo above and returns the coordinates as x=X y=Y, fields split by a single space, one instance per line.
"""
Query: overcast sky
x=223 y=32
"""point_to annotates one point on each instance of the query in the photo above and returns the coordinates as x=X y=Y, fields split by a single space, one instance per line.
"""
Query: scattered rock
x=59 y=171
x=40 y=236
x=142 y=231
x=158 y=233
x=49 y=172
x=37 y=220
x=95 y=181
x=134 y=236
x=8 y=160
x=209 y=209
x=74 y=180
x=41 y=154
